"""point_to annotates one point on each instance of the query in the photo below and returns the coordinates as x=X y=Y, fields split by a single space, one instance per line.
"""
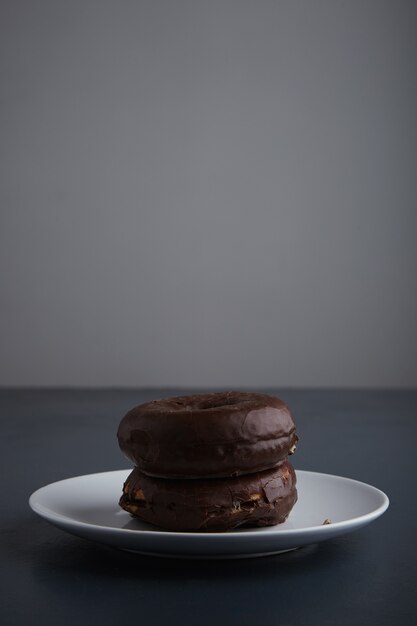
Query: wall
x=208 y=193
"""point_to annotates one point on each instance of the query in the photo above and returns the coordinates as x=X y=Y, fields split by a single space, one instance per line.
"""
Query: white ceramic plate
x=87 y=506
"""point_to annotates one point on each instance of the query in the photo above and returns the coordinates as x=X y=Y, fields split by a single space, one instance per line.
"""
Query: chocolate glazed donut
x=208 y=435
x=212 y=505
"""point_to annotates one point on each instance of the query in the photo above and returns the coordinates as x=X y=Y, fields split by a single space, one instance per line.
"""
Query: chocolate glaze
x=212 y=505
x=208 y=435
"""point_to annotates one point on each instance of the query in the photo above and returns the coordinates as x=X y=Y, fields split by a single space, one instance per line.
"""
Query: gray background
x=208 y=193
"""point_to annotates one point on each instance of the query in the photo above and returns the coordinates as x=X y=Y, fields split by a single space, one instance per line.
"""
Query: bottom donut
x=212 y=505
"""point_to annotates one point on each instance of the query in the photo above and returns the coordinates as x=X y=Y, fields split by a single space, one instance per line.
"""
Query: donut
x=208 y=435
x=214 y=504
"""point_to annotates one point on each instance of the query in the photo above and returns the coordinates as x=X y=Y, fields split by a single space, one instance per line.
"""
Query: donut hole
x=217 y=403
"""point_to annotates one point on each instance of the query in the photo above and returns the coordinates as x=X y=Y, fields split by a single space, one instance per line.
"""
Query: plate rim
x=51 y=515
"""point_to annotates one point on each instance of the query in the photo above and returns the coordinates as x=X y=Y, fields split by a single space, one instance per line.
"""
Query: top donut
x=208 y=435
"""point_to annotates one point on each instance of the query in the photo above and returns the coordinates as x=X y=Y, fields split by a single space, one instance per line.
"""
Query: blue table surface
x=50 y=577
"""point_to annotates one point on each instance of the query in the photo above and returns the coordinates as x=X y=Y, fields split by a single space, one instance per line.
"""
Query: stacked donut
x=209 y=462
